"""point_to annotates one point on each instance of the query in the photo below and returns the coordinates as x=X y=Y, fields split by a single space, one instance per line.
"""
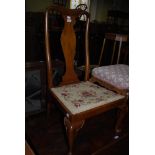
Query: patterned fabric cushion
x=84 y=96
x=116 y=75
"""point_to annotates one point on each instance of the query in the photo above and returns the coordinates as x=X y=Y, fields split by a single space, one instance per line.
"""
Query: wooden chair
x=78 y=100
x=114 y=76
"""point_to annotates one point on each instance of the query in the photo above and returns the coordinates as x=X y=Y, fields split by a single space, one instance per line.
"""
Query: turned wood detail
x=68 y=42
x=72 y=128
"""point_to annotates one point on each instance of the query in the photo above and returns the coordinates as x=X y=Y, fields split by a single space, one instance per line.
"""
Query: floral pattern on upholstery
x=116 y=75
x=84 y=96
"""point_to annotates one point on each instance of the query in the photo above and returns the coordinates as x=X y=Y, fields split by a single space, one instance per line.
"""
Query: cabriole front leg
x=71 y=129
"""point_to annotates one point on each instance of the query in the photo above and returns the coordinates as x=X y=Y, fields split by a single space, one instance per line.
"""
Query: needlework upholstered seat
x=84 y=96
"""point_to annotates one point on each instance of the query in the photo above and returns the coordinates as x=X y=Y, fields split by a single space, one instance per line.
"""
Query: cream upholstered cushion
x=84 y=96
x=117 y=75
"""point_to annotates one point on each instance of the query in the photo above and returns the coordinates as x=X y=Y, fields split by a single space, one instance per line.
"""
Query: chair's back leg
x=101 y=54
x=119 y=51
x=113 y=52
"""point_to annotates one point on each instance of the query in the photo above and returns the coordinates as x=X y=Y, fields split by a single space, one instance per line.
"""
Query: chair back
x=67 y=43
x=116 y=39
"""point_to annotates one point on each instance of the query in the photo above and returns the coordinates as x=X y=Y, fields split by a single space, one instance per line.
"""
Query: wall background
x=98 y=8
x=37 y=5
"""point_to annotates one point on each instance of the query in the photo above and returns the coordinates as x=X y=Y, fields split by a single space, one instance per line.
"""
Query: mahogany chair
x=78 y=100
